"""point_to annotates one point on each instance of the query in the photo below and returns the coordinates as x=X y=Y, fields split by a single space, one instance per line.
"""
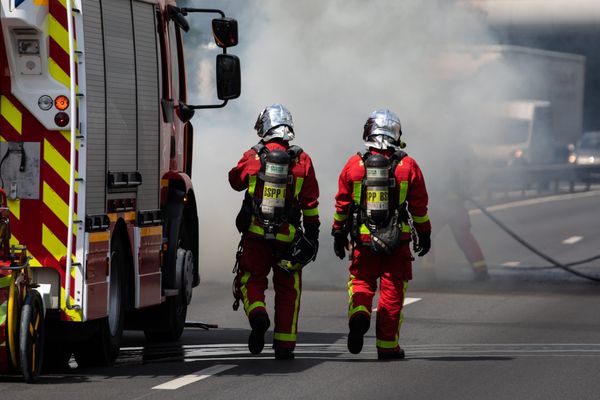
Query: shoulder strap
x=294 y=151
x=396 y=158
x=259 y=148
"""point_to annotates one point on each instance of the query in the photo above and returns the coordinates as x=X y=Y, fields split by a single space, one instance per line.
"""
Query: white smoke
x=332 y=63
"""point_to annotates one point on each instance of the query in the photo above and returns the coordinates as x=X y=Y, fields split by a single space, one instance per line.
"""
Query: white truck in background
x=539 y=113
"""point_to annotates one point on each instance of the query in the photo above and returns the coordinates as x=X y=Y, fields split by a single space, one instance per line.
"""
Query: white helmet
x=383 y=130
x=275 y=121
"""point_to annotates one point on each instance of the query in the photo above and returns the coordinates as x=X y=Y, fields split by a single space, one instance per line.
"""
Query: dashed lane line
x=511 y=264
x=572 y=240
x=195 y=377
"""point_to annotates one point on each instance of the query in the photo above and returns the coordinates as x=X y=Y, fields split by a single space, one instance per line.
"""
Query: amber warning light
x=61 y=103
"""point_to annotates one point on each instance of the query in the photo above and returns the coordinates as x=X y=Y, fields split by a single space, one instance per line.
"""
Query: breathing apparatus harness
x=273 y=209
x=377 y=209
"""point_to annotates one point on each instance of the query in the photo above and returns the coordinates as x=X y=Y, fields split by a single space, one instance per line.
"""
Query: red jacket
x=305 y=188
x=410 y=188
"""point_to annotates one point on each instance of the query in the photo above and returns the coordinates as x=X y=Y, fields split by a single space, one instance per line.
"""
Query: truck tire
x=31 y=336
x=167 y=320
x=103 y=347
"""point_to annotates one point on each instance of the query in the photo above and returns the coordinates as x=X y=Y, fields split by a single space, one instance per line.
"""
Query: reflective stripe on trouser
x=3 y=316
x=394 y=272
x=255 y=264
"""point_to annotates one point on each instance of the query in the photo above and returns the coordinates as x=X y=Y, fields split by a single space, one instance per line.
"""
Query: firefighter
x=279 y=222
x=380 y=191
x=449 y=209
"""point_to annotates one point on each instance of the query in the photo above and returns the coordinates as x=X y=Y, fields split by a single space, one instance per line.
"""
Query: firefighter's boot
x=259 y=322
x=284 y=354
x=391 y=355
x=359 y=325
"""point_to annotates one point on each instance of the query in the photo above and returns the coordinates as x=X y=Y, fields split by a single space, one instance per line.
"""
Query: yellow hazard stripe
x=58 y=73
x=59 y=33
x=15 y=208
x=74 y=315
x=11 y=114
x=56 y=161
x=56 y=204
x=52 y=243
x=3 y=312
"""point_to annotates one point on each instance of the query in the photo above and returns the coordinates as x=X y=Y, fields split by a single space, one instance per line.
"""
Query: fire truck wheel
x=103 y=347
x=169 y=321
x=31 y=336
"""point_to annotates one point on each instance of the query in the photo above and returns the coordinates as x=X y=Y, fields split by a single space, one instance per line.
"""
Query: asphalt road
x=529 y=333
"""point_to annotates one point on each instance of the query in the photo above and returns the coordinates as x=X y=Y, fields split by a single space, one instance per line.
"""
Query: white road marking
x=511 y=264
x=407 y=301
x=530 y=202
x=410 y=300
x=195 y=377
x=572 y=240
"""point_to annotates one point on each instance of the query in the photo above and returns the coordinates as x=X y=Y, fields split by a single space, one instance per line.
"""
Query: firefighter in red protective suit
x=279 y=222
x=380 y=192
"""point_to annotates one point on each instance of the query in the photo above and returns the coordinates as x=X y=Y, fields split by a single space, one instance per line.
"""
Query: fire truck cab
x=95 y=160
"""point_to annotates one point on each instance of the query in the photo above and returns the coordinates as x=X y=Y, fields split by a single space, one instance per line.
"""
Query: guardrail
x=540 y=178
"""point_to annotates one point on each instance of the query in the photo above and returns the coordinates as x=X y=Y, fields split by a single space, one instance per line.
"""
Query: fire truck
x=98 y=221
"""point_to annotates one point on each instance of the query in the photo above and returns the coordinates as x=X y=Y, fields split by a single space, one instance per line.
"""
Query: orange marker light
x=61 y=102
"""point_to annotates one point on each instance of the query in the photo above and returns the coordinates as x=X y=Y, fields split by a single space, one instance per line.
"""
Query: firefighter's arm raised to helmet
x=417 y=198
x=238 y=176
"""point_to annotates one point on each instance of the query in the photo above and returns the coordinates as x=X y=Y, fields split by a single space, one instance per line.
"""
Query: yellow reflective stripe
x=15 y=208
x=403 y=191
x=52 y=243
x=254 y=305
x=340 y=217
x=287 y=238
x=11 y=114
x=74 y=315
x=296 y=303
x=405 y=228
x=56 y=161
x=351 y=309
x=244 y=290
x=311 y=212
x=479 y=264
x=386 y=344
x=5 y=281
x=364 y=230
x=251 y=185
x=255 y=228
x=284 y=337
x=298 y=188
x=420 y=220
x=357 y=190
x=58 y=73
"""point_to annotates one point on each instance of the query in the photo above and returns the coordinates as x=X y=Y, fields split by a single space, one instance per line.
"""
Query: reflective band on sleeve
x=403 y=191
x=256 y=229
x=364 y=230
x=405 y=228
x=311 y=212
x=287 y=238
x=298 y=188
x=284 y=337
x=340 y=217
x=251 y=185
x=357 y=190
x=420 y=220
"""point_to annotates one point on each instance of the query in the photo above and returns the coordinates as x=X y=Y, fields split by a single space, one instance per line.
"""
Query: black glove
x=424 y=243
x=340 y=243
x=311 y=232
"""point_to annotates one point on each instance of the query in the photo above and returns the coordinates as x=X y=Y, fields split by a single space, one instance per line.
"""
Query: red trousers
x=393 y=272
x=258 y=257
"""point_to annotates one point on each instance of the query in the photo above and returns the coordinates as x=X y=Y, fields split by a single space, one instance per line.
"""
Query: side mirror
x=185 y=112
x=225 y=31
x=228 y=77
x=179 y=18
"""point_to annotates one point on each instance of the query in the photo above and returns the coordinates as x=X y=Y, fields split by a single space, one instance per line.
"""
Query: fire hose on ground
x=555 y=264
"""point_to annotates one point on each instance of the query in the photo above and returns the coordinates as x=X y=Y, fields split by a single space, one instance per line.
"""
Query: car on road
x=587 y=149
